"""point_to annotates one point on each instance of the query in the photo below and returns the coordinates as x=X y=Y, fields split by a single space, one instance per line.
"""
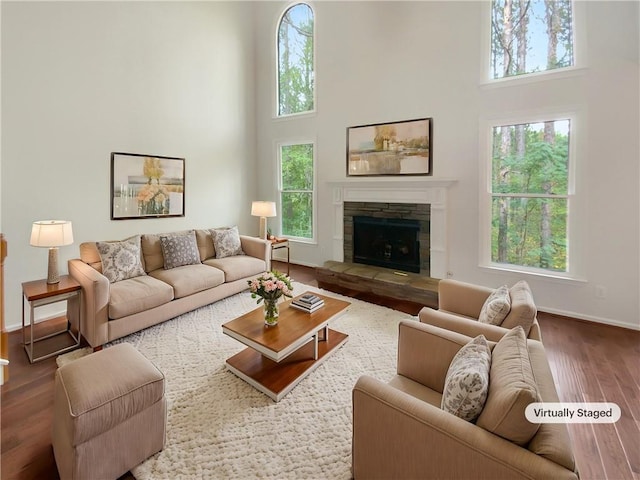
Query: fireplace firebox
x=387 y=242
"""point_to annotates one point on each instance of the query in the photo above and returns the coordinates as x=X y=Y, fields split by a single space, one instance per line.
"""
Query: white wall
x=83 y=79
x=388 y=61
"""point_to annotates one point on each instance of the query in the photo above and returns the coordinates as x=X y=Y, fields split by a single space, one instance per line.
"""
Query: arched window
x=296 y=65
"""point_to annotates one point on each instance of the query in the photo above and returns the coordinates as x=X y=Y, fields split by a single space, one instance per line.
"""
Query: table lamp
x=52 y=234
x=263 y=210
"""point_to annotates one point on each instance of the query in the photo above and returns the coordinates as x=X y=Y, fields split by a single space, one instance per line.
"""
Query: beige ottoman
x=109 y=414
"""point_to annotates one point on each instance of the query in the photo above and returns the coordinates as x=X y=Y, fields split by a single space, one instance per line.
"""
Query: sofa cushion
x=512 y=387
x=496 y=307
x=121 y=260
x=152 y=249
x=179 y=250
x=551 y=441
x=237 y=267
x=205 y=244
x=136 y=295
x=523 y=310
x=190 y=279
x=90 y=255
x=226 y=242
x=467 y=381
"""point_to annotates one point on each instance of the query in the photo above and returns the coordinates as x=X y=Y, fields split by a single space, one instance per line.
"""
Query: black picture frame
x=146 y=186
x=390 y=149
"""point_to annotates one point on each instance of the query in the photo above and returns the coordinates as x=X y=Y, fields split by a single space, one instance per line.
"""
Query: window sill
x=536 y=77
x=294 y=116
x=559 y=277
x=303 y=241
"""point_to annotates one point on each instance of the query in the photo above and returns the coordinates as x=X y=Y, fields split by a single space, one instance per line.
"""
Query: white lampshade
x=51 y=233
x=263 y=209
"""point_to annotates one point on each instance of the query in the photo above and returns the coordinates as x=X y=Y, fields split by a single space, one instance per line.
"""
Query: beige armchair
x=460 y=303
x=400 y=431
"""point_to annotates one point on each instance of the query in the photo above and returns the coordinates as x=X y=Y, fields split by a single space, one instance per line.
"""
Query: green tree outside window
x=529 y=187
x=296 y=190
x=295 y=61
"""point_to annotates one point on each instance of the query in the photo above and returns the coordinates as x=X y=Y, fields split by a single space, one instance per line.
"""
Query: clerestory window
x=296 y=63
x=529 y=36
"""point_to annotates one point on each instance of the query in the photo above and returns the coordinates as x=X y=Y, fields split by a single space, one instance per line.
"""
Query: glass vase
x=271 y=311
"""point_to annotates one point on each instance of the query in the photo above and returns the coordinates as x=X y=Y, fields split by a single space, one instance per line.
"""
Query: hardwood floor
x=590 y=362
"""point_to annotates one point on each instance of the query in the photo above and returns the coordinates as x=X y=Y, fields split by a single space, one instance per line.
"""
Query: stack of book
x=308 y=303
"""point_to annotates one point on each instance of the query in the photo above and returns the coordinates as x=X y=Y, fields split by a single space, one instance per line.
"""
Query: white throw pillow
x=226 y=242
x=496 y=307
x=467 y=382
x=121 y=260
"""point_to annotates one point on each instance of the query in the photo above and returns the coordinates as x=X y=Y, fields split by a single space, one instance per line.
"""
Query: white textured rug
x=221 y=427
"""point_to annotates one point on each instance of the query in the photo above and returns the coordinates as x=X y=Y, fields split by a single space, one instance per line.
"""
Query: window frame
x=579 y=67
x=575 y=208
x=276 y=110
x=314 y=191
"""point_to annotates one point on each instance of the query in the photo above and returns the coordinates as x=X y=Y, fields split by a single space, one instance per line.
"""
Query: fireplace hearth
x=387 y=242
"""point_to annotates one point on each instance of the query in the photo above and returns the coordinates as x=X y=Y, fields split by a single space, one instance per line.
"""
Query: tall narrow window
x=530 y=195
x=297 y=190
x=296 y=65
x=530 y=36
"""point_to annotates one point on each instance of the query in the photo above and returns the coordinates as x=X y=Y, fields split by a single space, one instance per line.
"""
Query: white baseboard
x=590 y=318
x=51 y=315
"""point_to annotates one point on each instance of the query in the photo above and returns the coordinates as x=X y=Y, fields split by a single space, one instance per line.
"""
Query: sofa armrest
x=425 y=352
x=463 y=298
x=257 y=247
x=398 y=436
x=469 y=327
x=94 y=314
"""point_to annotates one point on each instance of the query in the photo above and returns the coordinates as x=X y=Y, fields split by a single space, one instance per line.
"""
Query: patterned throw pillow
x=467 y=382
x=496 y=307
x=226 y=242
x=179 y=250
x=121 y=260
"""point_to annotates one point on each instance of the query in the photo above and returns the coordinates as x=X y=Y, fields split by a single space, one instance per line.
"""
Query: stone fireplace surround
x=424 y=191
x=406 y=211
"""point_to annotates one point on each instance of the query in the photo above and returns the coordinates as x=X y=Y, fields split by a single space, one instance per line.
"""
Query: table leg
x=315 y=346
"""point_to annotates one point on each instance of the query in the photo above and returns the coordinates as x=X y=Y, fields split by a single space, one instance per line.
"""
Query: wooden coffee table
x=279 y=357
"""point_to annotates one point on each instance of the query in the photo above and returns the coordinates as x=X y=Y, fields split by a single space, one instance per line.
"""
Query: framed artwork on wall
x=396 y=148
x=146 y=186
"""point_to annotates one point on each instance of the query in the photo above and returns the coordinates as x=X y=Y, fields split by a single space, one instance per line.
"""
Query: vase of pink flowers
x=268 y=288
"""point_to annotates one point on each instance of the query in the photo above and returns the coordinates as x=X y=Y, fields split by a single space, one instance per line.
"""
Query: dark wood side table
x=37 y=294
x=277 y=243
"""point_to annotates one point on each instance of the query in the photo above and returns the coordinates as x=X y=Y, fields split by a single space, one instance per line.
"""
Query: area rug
x=221 y=427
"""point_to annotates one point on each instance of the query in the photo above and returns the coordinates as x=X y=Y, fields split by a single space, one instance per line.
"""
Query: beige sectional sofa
x=152 y=293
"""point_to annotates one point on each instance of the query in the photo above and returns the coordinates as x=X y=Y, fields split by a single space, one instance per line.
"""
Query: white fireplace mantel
x=426 y=191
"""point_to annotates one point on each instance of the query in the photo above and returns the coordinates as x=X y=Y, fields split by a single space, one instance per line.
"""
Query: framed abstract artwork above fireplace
x=396 y=148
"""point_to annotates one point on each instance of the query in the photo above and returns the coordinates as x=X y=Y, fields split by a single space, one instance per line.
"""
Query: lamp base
x=263 y=228
x=52 y=274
